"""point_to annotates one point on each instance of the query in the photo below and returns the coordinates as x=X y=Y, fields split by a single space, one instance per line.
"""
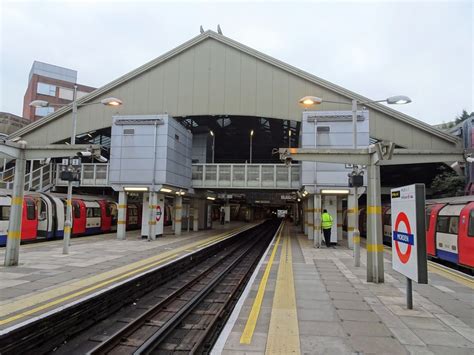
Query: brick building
x=53 y=84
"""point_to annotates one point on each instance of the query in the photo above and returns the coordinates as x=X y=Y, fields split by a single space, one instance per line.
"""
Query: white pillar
x=195 y=215
x=149 y=215
x=12 y=253
x=317 y=220
x=122 y=216
x=310 y=215
x=352 y=214
x=339 y=219
x=305 y=216
x=375 y=269
x=178 y=212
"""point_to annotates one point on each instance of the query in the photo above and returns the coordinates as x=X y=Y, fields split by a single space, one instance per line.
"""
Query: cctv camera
x=288 y=161
x=470 y=159
x=102 y=159
x=84 y=154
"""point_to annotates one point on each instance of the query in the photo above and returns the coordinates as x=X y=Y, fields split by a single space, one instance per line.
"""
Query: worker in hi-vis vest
x=326 y=224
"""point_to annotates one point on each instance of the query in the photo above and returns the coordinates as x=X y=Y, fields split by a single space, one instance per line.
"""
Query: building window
x=43 y=111
x=46 y=89
x=66 y=94
x=81 y=94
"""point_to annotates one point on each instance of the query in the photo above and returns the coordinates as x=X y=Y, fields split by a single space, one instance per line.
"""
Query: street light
x=289 y=138
x=109 y=101
x=213 y=144
x=251 y=136
x=308 y=101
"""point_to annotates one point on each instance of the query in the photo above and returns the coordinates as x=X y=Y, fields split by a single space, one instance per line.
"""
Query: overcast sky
x=422 y=49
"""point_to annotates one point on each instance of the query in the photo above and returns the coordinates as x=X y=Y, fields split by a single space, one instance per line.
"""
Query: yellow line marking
x=437 y=269
x=121 y=222
x=356 y=239
x=283 y=333
x=17 y=201
x=247 y=334
x=116 y=274
x=374 y=209
x=122 y=206
x=14 y=234
x=374 y=248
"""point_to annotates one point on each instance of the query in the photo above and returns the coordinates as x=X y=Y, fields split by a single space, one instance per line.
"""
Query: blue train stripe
x=3 y=240
x=446 y=255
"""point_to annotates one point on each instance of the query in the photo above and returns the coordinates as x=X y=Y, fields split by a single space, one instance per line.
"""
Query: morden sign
x=409 y=232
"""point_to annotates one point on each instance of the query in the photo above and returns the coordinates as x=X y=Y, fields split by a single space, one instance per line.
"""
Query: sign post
x=409 y=235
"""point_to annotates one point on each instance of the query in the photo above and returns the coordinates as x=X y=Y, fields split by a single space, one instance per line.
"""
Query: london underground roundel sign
x=158 y=213
x=408 y=232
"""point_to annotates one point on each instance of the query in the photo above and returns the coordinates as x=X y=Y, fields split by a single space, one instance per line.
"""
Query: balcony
x=246 y=176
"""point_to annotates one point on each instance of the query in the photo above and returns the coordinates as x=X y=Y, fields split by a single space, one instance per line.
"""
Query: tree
x=463 y=116
x=447 y=183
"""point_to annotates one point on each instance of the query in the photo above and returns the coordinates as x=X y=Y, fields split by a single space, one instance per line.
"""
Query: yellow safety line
x=374 y=248
x=283 y=333
x=374 y=209
x=453 y=276
x=247 y=334
x=116 y=274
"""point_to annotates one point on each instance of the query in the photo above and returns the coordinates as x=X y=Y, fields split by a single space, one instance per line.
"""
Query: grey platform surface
x=44 y=274
x=340 y=313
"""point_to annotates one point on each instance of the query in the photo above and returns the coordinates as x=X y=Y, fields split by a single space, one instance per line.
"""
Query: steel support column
x=178 y=212
x=375 y=267
x=195 y=215
x=305 y=216
x=317 y=220
x=339 y=219
x=122 y=216
x=310 y=216
x=12 y=253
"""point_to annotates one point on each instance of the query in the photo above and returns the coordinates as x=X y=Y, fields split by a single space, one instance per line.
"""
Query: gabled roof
x=252 y=52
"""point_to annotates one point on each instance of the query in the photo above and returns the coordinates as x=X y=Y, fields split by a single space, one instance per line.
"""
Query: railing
x=91 y=175
x=40 y=179
x=249 y=176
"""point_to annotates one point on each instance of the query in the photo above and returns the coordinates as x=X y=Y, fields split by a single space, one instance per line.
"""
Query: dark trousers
x=327 y=236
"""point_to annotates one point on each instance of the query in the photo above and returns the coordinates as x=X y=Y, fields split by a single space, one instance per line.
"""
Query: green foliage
x=463 y=116
x=447 y=183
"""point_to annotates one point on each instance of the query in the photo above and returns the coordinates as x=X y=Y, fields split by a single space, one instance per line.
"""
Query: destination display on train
x=409 y=232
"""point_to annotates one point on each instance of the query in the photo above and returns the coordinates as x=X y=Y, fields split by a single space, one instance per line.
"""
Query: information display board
x=409 y=232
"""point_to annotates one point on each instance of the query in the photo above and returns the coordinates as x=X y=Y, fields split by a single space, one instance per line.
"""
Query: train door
x=5 y=203
x=93 y=217
x=447 y=228
x=29 y=222
x=57 y=217
x=78 y=217
x=44 y=218
x=132 y=216
x=105 y=216
x=431 y=217
x=466 y=236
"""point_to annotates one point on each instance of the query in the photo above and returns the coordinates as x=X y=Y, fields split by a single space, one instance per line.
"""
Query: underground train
x=44 y=215
x=449 y=229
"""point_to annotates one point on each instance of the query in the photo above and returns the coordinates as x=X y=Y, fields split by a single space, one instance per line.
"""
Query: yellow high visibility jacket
x=326 y=220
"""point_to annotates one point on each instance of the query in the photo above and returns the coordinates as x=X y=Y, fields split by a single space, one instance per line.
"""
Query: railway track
x=182 y=312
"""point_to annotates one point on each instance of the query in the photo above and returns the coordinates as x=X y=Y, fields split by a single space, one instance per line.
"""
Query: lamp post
x=110 y=101
x=213 y=144
x=251 y=136
x=373 y=171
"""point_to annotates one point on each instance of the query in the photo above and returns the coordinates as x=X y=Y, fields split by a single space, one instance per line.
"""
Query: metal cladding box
x=149 y=150
x=331 y=130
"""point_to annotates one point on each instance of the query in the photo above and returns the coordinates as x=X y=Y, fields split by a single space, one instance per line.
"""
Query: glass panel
x=30 y=210
x=197 y=172
x=253 y=173
x=282 y=173
x=66 y=94
x=470 y=231
x=443 y=224
x=267 y=173
x=5 y=213
x=101 y=172
x=239 y=173
x=88 y=172
x=46 y=89
x=224 y=172
x=453 y=225
x=43 y=111
x=211 y=172
x=295 y=173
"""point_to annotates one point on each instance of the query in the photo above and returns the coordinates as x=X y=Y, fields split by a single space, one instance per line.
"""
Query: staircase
x=41 y=179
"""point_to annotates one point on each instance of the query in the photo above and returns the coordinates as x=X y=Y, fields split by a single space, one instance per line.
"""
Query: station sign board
x=409 y=232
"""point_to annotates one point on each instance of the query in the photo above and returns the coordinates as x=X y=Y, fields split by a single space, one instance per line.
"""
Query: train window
x=42 y=211
x=5 y=213
x=96 y=212
x=443 y=224
x=453 y=225
x=89 y=212
x=470 y=231
x=30 y=210
x=76 y=209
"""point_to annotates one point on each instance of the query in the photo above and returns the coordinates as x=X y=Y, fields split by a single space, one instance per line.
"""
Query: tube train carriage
x=44 y=215
x=449 y=229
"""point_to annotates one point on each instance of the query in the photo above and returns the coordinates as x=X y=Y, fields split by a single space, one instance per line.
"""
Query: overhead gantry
x=376 y=155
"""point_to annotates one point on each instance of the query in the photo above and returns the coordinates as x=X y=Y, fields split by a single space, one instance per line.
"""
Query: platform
x=314 y=301
x=46 y=279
